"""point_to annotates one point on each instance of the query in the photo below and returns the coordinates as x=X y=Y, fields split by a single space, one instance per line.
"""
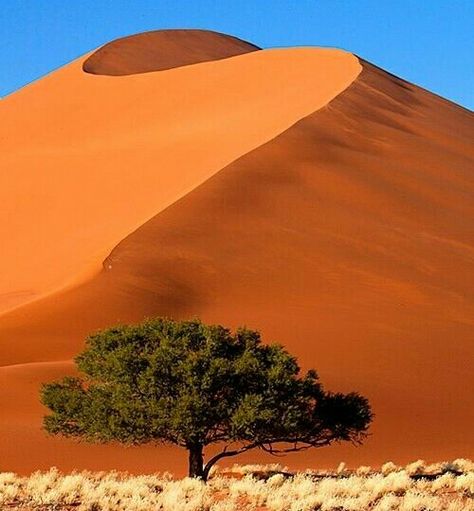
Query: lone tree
x=192 y=385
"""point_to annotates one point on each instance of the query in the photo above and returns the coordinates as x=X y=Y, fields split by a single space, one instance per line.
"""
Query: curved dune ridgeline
x=87 y=159
x=163 y=49
x=347 y=237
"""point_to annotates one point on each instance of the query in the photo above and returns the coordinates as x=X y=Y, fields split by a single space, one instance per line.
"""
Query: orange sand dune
x=87 y=159
x=348 y=237
x=163 y=49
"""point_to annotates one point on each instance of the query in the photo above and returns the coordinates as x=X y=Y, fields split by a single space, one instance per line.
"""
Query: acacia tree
x=192 y=385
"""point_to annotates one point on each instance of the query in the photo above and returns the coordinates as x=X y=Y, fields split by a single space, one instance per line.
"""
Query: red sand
x=163 y=49
x=88 y=159
x=348 y=237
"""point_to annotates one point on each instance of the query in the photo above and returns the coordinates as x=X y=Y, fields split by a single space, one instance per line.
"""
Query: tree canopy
x=192 y=385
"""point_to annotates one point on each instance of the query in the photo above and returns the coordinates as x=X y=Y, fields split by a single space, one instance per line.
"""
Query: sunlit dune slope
x=348 y=238
x=87 y=159
x=163 y=49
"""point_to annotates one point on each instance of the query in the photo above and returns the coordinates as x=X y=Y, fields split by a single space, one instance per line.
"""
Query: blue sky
x=428 y=42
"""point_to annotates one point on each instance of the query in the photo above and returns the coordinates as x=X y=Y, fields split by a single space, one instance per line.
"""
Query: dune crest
x=87 y=159
x=163 y=49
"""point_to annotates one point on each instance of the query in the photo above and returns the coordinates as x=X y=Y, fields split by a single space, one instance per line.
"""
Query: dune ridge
x=88 y=159
x=159 y=50
x=348 y=237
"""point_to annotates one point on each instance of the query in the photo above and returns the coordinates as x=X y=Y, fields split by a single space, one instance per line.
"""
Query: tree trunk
x=196 y=462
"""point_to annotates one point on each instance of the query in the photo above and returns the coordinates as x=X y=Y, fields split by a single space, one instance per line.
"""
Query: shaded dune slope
x=348 y=238
x=87 y=159
x=163 y=49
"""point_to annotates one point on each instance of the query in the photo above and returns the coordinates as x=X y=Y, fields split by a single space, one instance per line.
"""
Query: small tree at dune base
x=193 y=385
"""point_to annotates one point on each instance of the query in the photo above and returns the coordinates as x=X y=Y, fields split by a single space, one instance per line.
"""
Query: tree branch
x=267 y=446
x=225 y=454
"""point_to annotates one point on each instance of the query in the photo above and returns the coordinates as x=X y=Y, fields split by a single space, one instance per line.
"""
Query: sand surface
x=348 y=238
x=87 y=159
x=163 y=49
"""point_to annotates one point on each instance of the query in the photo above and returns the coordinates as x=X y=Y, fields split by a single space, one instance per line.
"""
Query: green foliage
x=192 y=385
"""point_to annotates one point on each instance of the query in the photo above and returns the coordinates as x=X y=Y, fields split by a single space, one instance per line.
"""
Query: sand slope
x=87 y=159
x=163 y=49
x=348 y=237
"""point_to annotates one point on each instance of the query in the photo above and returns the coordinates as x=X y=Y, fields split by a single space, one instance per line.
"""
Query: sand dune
x=348 y=237
x=87 y=159
x=163 y=49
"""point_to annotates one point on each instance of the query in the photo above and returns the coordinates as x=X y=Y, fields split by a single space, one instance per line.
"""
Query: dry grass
x=416 y=487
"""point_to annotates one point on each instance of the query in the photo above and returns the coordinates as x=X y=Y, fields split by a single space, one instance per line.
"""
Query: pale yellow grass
x=416 y=487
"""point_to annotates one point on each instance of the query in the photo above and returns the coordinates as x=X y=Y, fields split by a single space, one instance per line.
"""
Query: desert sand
x=346 y=236
x=87 y=159
x=163 y=49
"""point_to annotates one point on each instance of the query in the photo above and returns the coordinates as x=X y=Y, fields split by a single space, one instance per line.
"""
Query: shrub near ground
x=416 y=487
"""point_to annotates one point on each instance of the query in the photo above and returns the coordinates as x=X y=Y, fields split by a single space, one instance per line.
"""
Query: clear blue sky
x=428 y=42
